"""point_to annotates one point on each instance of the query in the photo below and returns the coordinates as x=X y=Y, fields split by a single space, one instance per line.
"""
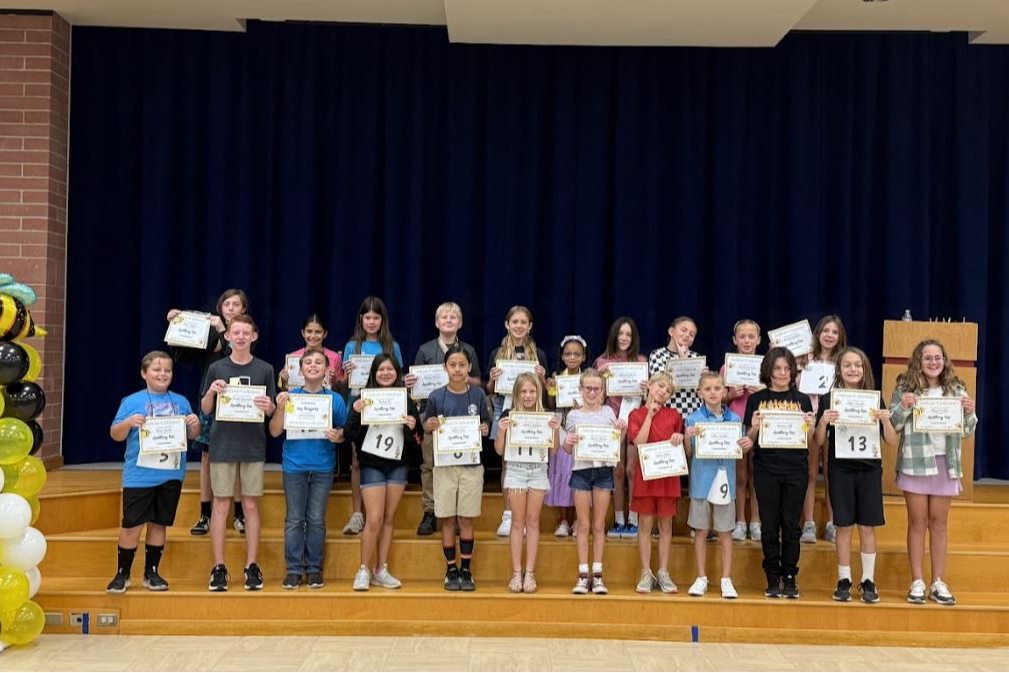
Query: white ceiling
x=735 y=23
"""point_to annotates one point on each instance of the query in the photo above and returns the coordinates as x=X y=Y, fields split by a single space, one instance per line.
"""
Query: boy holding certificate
x=746 y=337
x=152 y=482
x=708 y=473
x=238 y=444
x=309 y=462
x=780 y=471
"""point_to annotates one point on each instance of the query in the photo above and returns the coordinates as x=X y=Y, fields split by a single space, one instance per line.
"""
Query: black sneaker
x=712 y=536
x=843 y=592
x=291 y=581
x=219 y=578
x=452 y=578
x=154 y=582
x=315 y=581
x=253 y=578
x=119 y=583
x=788 y=587
x=239 y=524
x=202 y=526
x=868 y=590
x=427 y=524
x=773 y=589
x=466 y=582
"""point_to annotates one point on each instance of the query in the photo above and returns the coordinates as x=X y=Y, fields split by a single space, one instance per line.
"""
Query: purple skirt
x=936 y=484
x=559 y=471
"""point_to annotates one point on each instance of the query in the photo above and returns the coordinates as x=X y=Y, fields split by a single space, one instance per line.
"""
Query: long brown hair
x=914 y=379
x=842 y=337
x=507 y=351
x=376 y=305
x=868 y=382
x=612 y=349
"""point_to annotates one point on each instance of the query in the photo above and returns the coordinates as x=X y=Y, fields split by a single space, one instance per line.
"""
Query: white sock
x=597 y=568
x=583 y=568
x=868 y=566
x=620 y=518
x=632 y=518
x=844 y=573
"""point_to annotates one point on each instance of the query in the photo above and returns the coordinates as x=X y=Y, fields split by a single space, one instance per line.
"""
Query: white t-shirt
x=576 y=417
x=937 y=441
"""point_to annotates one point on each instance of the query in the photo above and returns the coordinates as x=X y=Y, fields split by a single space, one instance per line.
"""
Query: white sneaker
x=598 y=586
x=728 y=591
x=755 y=531
x=646 y=582
x=808 y=533
x=562 y=530
x=582 y=585
x=383 y=578
x=666 y=583
x=354 y=525
x=362 y=579
x=739 y=532
x=940 y=593
x=505 y=529
x=917 y=593
x=699 y=587
x=830 y=532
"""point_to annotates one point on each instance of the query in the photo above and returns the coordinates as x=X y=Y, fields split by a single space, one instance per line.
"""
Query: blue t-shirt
x=149 y=404
x=314 y=455
x=443 y=402
x=704 y=470
x=371 y=348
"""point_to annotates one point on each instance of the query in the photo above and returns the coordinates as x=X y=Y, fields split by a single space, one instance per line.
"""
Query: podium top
x=959 y=338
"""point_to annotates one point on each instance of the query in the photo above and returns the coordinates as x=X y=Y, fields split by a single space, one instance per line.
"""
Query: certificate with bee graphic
x=236 y=404
x=383 y=406
x=719 y=440
x=599 y=443
x=189 y=329
x=163 y=434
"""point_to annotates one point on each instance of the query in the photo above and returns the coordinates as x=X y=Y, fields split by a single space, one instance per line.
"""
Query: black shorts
x=856 y=497
x=201 y=447
x=151 y=504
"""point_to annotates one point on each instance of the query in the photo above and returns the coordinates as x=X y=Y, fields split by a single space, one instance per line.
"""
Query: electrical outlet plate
x=108 y=620
x=76 y=619
x=54 y=619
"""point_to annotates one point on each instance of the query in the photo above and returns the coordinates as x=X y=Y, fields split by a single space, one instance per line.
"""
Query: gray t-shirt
x=239 y=442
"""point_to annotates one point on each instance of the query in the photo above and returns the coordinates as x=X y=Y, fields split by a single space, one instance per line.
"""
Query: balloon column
x=22 y=475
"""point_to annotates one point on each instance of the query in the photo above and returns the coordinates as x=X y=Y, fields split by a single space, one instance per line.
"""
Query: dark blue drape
x=313 y=165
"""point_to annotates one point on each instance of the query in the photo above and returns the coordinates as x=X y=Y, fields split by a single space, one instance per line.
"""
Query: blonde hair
x=711 y=375
x=589 y=373
x=448 y=307
x=741 y=323
x=662 y=377
x=520 y=381
x=507 y=351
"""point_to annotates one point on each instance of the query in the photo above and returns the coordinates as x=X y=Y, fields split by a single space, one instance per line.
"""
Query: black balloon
x=24 y=400
x=37 y=437
x=13 y=363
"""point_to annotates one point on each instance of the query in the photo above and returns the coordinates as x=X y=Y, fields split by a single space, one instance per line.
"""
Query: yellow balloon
x=25 y=477
x=36 y=506
x=16 y=440
x=23 y=624
x=34 y=361
x=13 y=588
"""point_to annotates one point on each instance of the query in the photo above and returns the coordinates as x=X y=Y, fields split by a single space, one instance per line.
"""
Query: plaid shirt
x=912 y=456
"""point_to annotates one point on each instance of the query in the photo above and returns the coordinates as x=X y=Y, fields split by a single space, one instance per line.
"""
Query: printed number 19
x=388 y=442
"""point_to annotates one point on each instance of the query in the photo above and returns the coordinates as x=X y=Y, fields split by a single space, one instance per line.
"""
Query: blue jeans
x=306 y=494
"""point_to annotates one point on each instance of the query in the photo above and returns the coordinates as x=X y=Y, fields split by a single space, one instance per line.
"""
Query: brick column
x=34 y=129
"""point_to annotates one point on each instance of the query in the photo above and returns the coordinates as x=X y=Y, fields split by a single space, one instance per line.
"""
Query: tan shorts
x=222 y=479
x=705 y=516
x=458 y=491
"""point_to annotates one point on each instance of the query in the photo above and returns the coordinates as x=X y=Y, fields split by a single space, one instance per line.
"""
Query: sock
x=239 y=512
x=844 y=573
x=205 y=508
x=449 y=555
x=583 y=568
x=868 y=566
x=152 y=558
x=465 y=552
x=126 y=559
x=632 y=518
x=620 y=518
x=597 y=568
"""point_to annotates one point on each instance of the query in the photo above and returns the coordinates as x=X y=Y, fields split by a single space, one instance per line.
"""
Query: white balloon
x=34 y=581
x=15 y=515
x=25 y=552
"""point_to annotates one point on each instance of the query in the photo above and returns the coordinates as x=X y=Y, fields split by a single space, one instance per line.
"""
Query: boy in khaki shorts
x=458 y=477
x=237 y=447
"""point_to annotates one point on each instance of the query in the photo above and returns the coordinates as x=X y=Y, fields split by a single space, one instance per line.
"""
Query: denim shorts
x=527 y=477
x=593 y=477
x=381 y=476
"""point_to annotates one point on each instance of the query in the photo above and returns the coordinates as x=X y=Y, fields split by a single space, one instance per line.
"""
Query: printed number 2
x=388 y=442
x=861 y=444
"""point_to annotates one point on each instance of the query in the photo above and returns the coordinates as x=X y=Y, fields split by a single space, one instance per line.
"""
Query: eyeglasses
x=933 y=358
x=592 y=389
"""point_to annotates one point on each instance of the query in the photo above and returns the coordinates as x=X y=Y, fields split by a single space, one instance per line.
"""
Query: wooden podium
x=899 y=340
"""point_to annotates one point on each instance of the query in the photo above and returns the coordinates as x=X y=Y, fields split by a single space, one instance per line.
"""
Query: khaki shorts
x=222 y=479
x=458 y=491
x=705 y=516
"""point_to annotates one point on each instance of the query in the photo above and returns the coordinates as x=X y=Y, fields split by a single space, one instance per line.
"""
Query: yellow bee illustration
x=15 y=320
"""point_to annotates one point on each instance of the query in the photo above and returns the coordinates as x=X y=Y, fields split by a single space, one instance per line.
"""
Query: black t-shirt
x=845 y=464
x=356 y=433
x=520 y=354
x=778 y=461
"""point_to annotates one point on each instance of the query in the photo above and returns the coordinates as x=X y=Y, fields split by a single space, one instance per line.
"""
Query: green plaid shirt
x=914 y=455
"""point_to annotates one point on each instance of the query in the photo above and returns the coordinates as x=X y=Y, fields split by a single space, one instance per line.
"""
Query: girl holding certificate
x=573 y=354
x=856 y=483
x=526 y=481
x=929 y=465
x=314 y=332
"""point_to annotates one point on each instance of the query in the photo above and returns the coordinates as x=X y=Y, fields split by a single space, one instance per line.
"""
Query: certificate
x=361 y=372
x=530 y=429
x=817 y=378
x=292 y=363
x=719 y=440
x=458 y=434
x=783 y=430
x=797 y=337
x=662 y=459
x=568 y=390
x=429 y=379
x=599 y=443
x=625 y=378
x=858 y=442
x=383 y=406
x=445 y=459
x=236 y=404
x=163 y=434
x=308 y=412
x=742 y=370
x=857 y=407
x=686 y=372
x=510 y=369
x=189 y=329
x=938 y=414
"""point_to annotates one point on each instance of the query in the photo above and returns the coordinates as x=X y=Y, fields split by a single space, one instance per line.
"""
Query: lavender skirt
x=937 y=484
x=560 y=474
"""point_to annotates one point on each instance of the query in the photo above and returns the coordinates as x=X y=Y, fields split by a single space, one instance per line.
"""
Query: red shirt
x=665 y=424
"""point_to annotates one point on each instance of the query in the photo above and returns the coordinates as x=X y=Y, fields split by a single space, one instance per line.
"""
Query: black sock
x=126 y=560
x=239 y=512
x=449 y=555
x=205 y=508
x=152 y=558
x=466 y=552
